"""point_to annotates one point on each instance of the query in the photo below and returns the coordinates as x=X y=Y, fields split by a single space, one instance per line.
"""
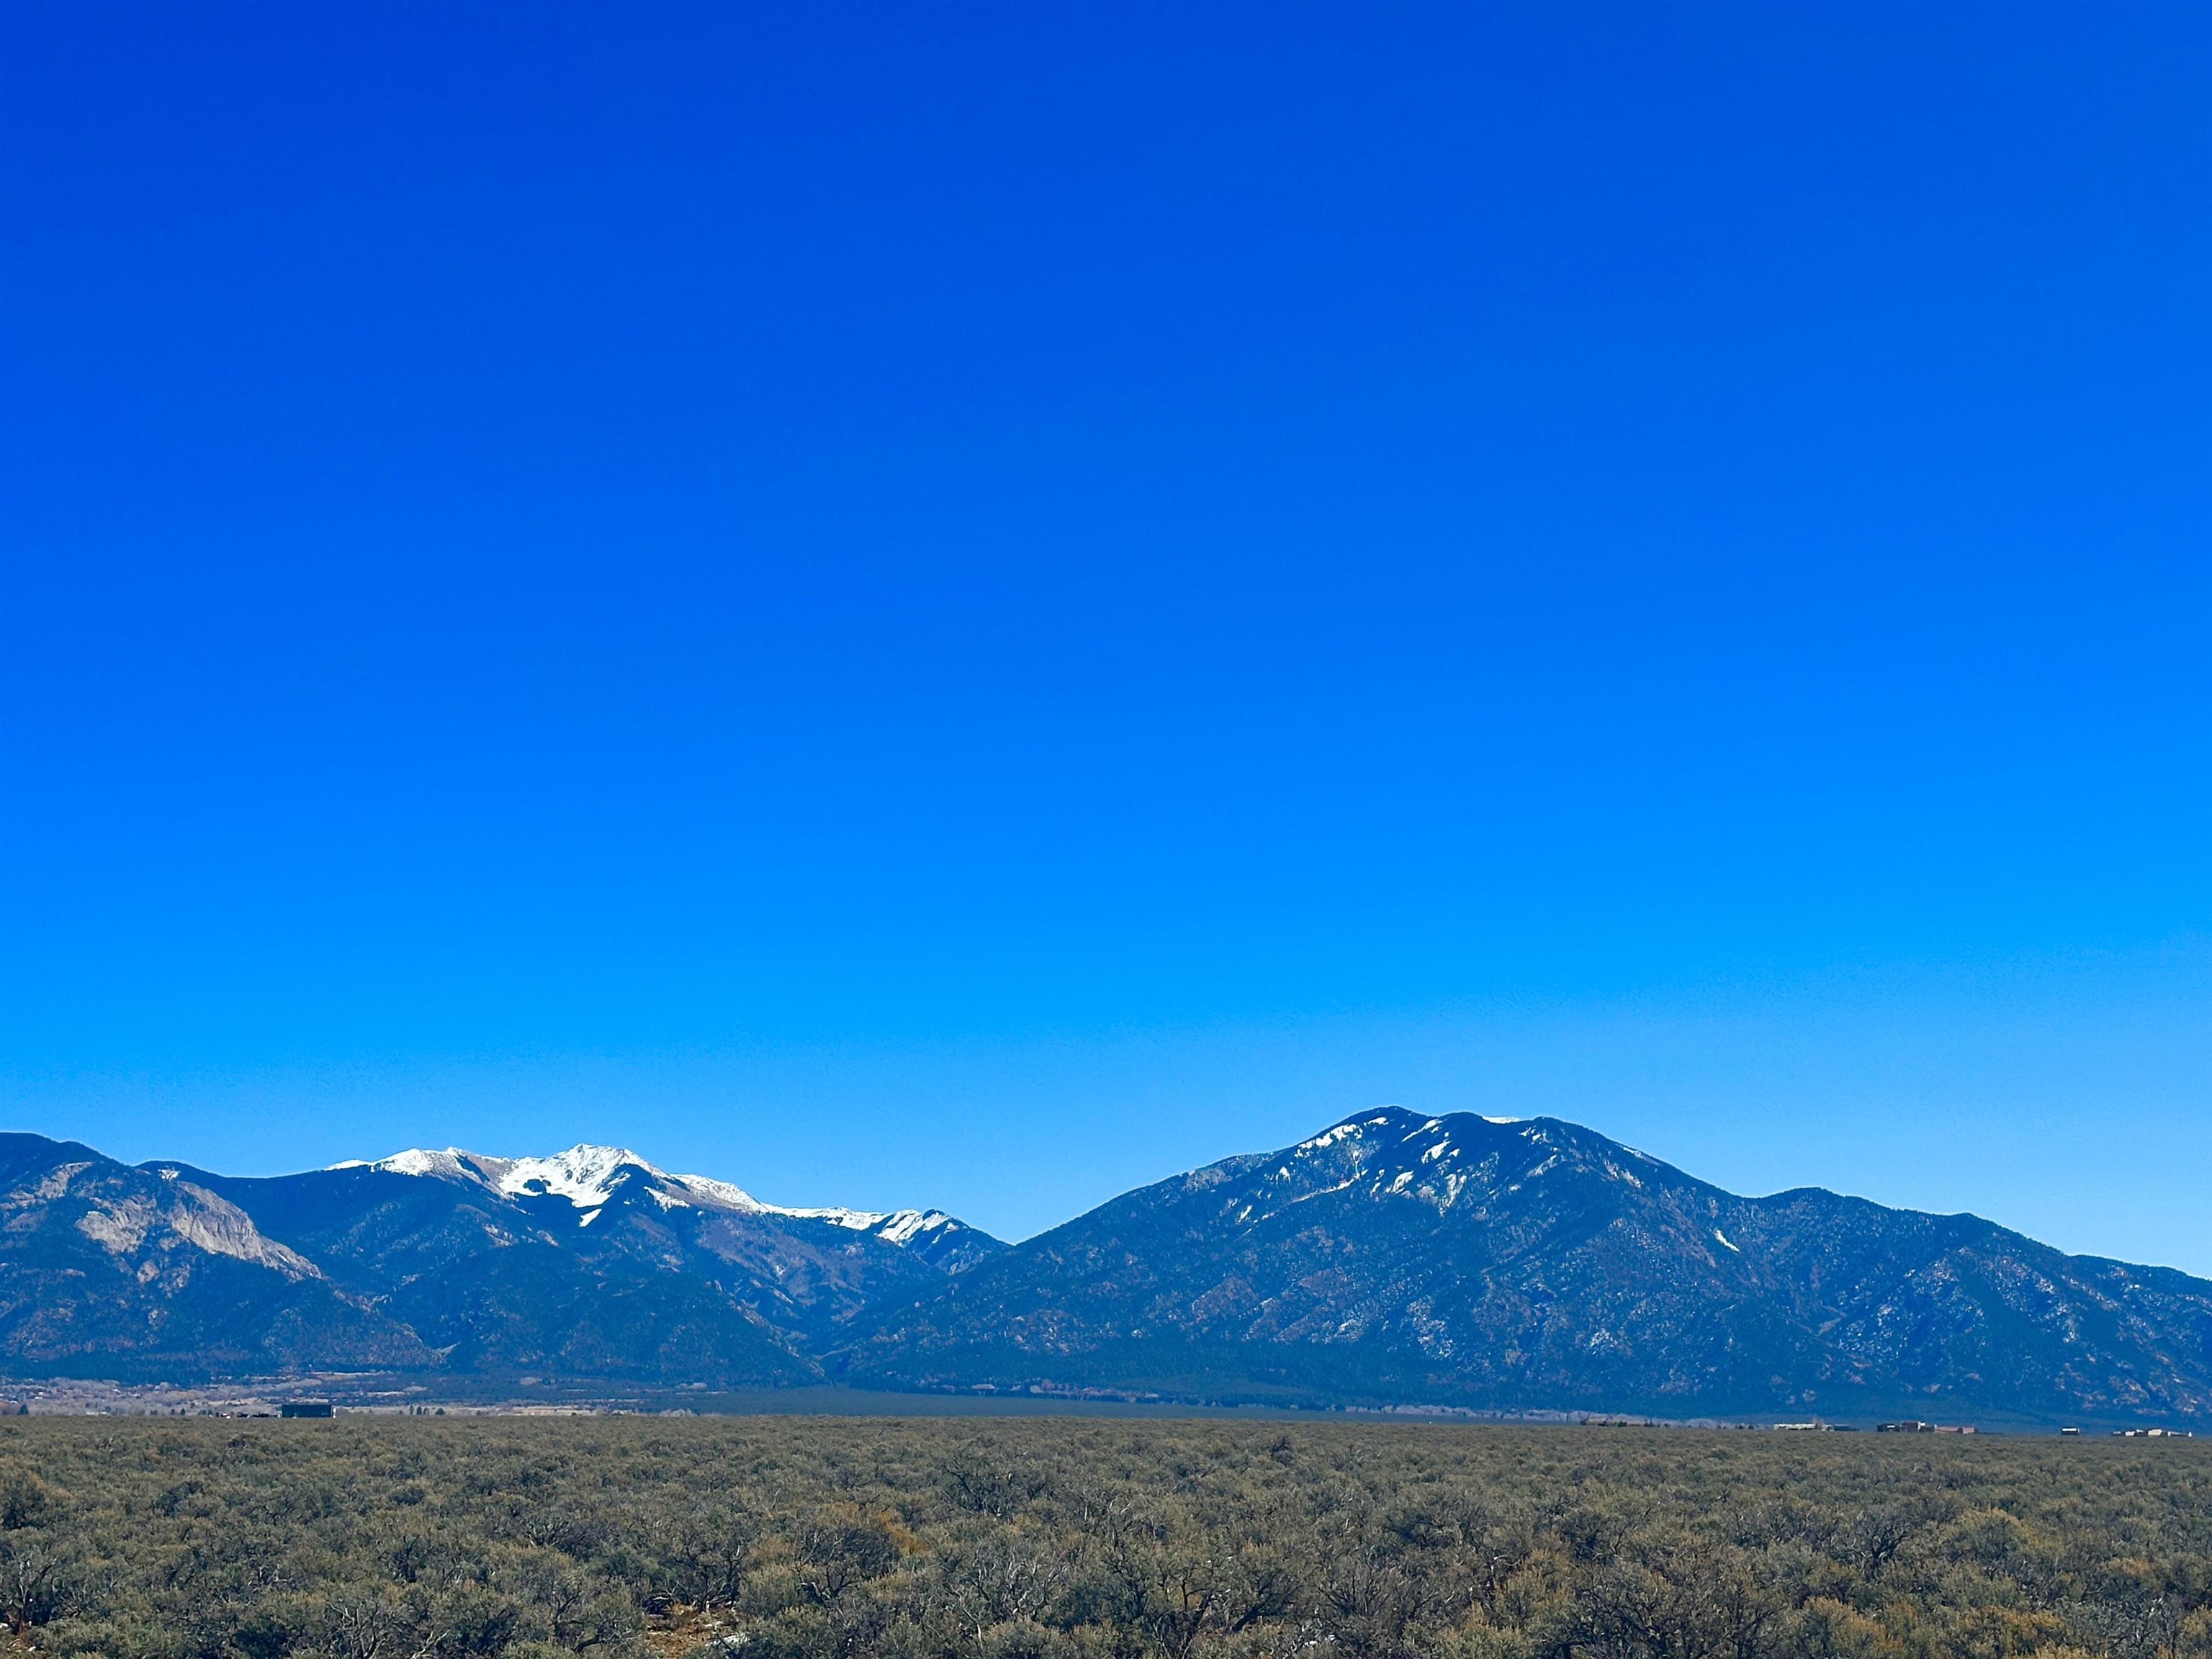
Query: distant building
x=305 y=1408
x=1913 y=1426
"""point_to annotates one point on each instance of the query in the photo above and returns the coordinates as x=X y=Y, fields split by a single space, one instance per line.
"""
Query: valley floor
x=412 y=1537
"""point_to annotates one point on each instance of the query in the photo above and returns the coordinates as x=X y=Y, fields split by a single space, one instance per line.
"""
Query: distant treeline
x=872 y=1539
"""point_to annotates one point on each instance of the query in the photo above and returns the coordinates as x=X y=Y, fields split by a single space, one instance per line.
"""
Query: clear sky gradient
x=973 y=604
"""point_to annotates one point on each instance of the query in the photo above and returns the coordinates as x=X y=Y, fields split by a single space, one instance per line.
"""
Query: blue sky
x=974 y=604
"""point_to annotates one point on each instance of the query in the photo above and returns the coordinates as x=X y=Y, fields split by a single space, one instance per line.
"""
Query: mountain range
x=1392 y=1259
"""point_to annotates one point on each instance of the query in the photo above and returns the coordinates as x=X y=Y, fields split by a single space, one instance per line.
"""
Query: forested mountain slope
x=1482 y=1262
x=590 y=1264
x=1392 y=1259
x=106 y=1270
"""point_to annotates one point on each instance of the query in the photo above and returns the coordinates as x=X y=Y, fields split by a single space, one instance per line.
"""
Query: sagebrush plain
x=368 y=1538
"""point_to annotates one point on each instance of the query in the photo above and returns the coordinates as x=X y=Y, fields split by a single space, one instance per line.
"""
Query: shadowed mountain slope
x=1488 y=1263
x=1392 y=1259
x=590 y=1264
x=107 y=1270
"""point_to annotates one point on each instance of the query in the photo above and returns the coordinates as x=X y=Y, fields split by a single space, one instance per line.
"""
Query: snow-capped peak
x=418 y=1161
x=588 y=1176
x=904 y=1224
x=584 y=1175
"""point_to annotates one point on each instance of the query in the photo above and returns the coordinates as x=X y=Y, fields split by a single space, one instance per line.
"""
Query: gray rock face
x=109 y=1270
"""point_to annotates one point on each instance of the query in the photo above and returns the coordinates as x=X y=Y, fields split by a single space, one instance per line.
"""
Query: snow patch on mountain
x=417 y=1162
x=589 y=1177
x=585 y=1176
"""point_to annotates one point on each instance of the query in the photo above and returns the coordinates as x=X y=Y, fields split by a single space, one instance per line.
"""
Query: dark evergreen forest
x=644 y=1538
